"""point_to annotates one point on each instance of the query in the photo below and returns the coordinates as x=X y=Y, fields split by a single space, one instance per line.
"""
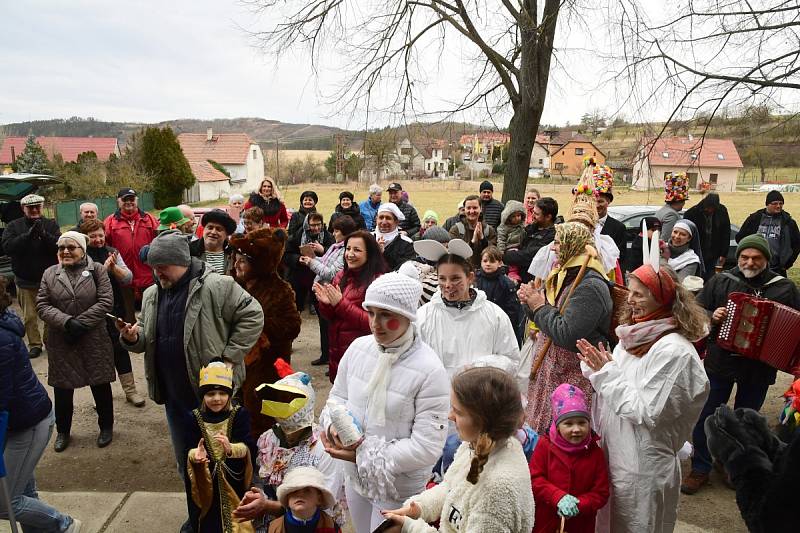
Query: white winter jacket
x=394 y=461
x=500 y=502
x=459 y=336
x=645 y=409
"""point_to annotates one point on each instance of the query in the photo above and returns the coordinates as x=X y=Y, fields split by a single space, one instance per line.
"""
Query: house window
x=665 y=155
x=594 y=154
x=559 y=166
x=429 y=166
x=712 y=178
x=578 y=151
x=255 y=156
x=405 y=151
x=721 y=157
x=563 y=152
x=667 y=174
x=541 y=161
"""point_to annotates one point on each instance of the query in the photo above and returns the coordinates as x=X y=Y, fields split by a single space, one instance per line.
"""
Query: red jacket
x=129 y=235
x=347 y=321
x=555 y=473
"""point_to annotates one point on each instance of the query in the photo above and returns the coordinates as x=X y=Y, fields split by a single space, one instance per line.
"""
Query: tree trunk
x=536 y=42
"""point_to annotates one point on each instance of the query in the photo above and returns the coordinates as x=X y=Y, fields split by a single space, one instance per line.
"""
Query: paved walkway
x=144 y=512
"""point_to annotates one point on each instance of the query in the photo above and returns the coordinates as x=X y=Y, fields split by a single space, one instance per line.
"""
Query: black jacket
x=355 y=214
x=411 y=224
x=31 y=250
x=790 y=237
x=21 y=392
x=291 y=256
x=616 y=230
x=298 y=217
x=535 y=238
x=452 y=221
x=720 y=232
x=768 y=285
x=492 y=212
x=500 y=290
x=397 y=252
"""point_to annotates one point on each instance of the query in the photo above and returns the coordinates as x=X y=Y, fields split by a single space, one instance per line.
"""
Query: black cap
x=220 y=217
x=127 y=191
x=486 y=186
x=774 y=196
x=394 y=186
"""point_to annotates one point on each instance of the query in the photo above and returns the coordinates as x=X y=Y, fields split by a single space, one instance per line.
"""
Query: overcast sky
x=148 y=61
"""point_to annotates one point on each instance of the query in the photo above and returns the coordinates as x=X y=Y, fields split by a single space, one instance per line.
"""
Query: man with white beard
x=752 y=378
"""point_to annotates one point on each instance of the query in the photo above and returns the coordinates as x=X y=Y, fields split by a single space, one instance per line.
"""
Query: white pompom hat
x=395 y=292
x=301 y=477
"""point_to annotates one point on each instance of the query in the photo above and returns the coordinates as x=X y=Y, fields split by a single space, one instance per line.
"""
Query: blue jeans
x=23 y=450
x=748 y=395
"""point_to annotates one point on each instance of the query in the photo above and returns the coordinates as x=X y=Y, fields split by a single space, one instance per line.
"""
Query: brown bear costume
x=264 y=249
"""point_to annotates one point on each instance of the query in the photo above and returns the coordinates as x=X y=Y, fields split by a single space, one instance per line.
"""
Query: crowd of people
x=486 y=373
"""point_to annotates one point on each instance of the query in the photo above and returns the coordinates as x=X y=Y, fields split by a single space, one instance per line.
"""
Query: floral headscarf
x=573 y=238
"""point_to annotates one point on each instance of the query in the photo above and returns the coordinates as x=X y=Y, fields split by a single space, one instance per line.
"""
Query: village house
x=708 y=163
x=437 y=159
x=481 y=145
x=409 y=157
x=236 y=153
x=567 y=159
x=67 y=147
x=540 y=156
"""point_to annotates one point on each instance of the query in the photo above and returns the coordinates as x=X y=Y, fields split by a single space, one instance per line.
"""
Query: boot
x=693 y=482
x=129 y=386
x=62 y=442
x=105 y=437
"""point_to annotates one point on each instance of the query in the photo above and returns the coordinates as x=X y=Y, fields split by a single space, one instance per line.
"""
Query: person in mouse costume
x=258 y=255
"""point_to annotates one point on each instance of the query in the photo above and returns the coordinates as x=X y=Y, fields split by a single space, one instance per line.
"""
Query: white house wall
x=652 y=177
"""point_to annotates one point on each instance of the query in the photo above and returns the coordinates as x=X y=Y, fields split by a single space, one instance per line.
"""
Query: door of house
x=692 y=179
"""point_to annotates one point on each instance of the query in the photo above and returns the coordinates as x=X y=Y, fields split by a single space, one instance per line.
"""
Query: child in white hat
x=397 y=391
x=304 y=496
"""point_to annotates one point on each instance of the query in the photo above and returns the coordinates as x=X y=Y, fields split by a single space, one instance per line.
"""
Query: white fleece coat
x=460 y=336
x=500 y=502
x=645 y=409
x=394 y=461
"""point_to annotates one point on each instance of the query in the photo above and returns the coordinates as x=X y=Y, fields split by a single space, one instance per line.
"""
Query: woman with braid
x=486 y=487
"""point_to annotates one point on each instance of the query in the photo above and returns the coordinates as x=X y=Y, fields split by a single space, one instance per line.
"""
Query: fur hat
x=264 y=246
x=310 y=194
x=301 y=477
x=395 y=292
x=346 y=194
x=676 y=187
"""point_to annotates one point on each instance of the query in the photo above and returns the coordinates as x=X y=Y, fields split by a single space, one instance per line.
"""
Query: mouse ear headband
x=434 y=250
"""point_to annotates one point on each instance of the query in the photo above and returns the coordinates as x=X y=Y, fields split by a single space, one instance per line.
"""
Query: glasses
x=315 y=225
x=69 y=248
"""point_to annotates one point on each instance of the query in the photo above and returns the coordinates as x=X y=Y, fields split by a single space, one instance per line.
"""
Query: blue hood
x=11 y=322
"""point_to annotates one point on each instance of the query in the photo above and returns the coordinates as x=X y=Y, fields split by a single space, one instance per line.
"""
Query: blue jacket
x=21 y=392
x=369 y=211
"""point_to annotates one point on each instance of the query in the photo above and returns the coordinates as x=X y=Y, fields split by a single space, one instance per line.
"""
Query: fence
x=68 y=213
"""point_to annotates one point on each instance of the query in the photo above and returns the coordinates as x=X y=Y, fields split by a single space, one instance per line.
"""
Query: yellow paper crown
x=216 y=374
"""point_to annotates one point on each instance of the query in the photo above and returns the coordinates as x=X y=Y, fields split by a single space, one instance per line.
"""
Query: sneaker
x=319 y=362
x=75 y=526
x=694 y=482
x=35 y=352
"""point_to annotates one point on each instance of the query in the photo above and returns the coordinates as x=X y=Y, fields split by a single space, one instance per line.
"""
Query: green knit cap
x=755 y=241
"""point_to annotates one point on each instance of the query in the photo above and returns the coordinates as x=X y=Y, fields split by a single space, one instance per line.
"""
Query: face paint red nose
x=393 y=324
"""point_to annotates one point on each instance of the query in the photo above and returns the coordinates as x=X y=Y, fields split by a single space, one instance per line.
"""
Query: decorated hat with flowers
x=676 y=187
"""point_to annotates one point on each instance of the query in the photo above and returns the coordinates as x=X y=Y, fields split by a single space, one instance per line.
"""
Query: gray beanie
x=437 y=233
x=169 y=248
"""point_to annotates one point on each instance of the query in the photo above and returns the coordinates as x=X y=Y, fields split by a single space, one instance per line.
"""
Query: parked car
x=632 y=215
x=481 y=160
x=200 y=211
x=467 y=157
x=13 y=187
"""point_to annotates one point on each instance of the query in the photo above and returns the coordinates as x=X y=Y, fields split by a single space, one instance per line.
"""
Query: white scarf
x=682 y=261
x=387 y=237
x=379 y=381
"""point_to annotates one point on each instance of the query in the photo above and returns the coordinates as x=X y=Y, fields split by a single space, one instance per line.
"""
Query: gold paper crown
x=216 y=375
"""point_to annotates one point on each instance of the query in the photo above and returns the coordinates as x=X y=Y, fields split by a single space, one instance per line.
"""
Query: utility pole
x=277 y=163
x=339 y=144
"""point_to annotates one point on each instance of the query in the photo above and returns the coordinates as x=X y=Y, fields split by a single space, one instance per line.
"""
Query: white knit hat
x=389 y=207
x=301 y=477
x=395 y=292
x=79 y=238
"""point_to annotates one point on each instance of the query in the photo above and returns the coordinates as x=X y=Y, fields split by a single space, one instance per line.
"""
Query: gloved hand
x=75 y=328
x=38 y=228
x=568 y=506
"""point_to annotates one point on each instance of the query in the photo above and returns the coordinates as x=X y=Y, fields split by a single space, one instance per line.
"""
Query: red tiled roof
x=68 y=147
x=708 y=152
x=224 y=148
x=555 y=149
x=203 y=171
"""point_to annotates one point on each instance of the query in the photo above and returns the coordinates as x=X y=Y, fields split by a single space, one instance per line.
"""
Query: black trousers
x=323 y=330
x=102 y=399
x=122 y=359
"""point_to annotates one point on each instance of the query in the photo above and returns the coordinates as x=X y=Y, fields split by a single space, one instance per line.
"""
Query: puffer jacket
x=129 y=240
x=21 y=393
x=353 y=212
x=492 y=212
x=30 y=255
x=411 y=224
x=347 y=321
x=222 y=320
x=459 y=336
x=511 y=236
x=394 y=461
x=369 y=210
x=500 y=502
x=89 y=360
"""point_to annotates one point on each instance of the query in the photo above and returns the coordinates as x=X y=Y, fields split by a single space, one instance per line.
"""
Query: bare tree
x=712 y=55
x=383 y=43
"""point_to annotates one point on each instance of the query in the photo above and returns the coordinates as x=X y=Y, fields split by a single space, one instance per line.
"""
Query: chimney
x=209 y=135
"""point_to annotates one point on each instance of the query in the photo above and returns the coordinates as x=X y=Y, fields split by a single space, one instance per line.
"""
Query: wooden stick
x=549 y=342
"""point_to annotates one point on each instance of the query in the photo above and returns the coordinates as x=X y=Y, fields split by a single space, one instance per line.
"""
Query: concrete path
x=145 y=512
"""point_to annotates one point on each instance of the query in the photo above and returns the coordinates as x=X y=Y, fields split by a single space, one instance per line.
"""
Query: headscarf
x=573 y=237
x=678 y=261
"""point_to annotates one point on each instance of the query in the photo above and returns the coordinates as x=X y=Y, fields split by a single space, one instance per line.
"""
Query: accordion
x=763 y=330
